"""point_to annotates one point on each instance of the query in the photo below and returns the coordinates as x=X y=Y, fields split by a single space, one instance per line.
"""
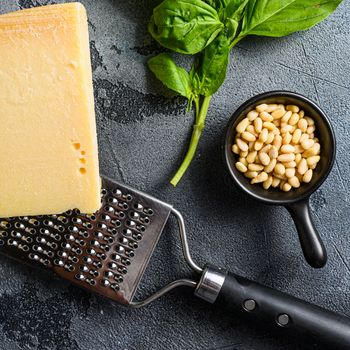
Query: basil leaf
x=235 y=8
x=185 y=26
x=211 y=66
x=233 y=14
x=171 y=75
x=213 y=3
x=282 y=17
x=219 y=4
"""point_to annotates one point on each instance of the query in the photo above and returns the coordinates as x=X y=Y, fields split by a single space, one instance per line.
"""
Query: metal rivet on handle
x=283 y=320
x=249 y=305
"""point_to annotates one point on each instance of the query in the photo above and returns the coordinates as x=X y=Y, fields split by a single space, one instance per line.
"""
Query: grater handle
x=282 y=310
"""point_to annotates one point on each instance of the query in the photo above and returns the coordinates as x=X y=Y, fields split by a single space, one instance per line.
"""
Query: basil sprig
x=209 y=29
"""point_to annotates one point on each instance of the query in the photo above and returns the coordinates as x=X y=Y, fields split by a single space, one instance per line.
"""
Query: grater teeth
x=105 y=252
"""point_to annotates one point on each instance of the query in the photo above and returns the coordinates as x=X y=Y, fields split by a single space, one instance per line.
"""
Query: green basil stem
x=234 y=42
x=196 y=134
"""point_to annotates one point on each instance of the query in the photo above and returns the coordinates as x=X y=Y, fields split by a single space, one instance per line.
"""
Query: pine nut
x=271 y=108
x=310 y=129
x=286 y=117
x=298 y=149
x=302 y=167
x=251 y=129
x=290 y=172
x=260 y=178
x=266 y=149
x=242 y=145
x=243 y=154
x=308 y=176
x=292 y=108
x=251 y=174
x=281 y=177
x=258 y=125
x=304 y=137
x=293 y=120
x=286 y=187
x=309 y=120
x=242 y=125
x=258 y=145
x=270 y=167
x=280 y=169
x=294 y=182
x=235 y=149
x=270 y=138
x=275 y=182
x=266 y=117
x=284 y=158
x=263 y=135
x=255 y=167
x=273 y=152
x=269 y=126
x=313 y=160
x=267 y=183
x=247 y=136
x=243 y=161
x=287 y=149
x=251 y=156
x=264 y=158
x=286 y=128
x=302 y=125
x=297 y=158
x=278 y=113
x=313 y=166
x=261 y=107
x=296 y=136
x=291 y=164
x=310 y=152
x=251 y=145
x=306 y=144
x=241 y=167
x=277 y=122
x=287 y=138
x=252 y=115
x=277 y=142
x=301 y=114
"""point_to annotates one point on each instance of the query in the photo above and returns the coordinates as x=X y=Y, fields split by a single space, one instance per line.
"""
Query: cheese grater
x=107 y=253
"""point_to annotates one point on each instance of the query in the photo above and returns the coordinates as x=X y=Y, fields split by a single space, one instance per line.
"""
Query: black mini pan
x=296 y=200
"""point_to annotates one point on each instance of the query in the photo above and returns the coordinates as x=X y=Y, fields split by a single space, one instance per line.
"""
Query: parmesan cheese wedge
x=48 y=143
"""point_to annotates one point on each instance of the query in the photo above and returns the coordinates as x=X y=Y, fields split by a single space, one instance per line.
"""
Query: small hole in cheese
x=82 y=160
x=76 y=145
x=82 y=153
x=82 y=171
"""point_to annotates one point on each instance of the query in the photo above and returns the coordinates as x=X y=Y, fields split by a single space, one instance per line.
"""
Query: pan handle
x=273 y=307
x=310 y=241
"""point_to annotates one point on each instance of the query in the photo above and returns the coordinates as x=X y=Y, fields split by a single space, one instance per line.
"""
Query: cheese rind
x=48 y=143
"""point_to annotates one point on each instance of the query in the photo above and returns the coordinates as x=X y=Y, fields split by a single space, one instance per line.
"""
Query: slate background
x=142 y=137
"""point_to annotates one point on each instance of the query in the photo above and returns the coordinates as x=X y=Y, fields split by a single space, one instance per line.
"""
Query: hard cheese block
x=48 y=144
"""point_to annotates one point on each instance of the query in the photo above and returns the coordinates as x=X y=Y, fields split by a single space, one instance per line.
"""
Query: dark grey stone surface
x=142 y=137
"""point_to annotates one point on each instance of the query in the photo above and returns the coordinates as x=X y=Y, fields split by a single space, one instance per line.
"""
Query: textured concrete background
x=142 y=136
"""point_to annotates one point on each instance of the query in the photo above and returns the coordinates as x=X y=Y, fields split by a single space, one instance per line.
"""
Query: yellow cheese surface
x=48 y=144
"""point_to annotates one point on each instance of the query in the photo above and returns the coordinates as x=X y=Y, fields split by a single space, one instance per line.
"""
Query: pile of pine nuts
x=276 y=146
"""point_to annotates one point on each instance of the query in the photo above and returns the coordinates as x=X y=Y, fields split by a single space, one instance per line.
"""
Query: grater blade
x=105 y=252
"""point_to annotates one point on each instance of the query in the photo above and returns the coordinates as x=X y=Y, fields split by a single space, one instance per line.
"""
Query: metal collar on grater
x=106 y=252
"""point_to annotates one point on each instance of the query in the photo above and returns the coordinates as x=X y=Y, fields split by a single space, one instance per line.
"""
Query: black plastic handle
x=282 y=310
x=310 y=241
